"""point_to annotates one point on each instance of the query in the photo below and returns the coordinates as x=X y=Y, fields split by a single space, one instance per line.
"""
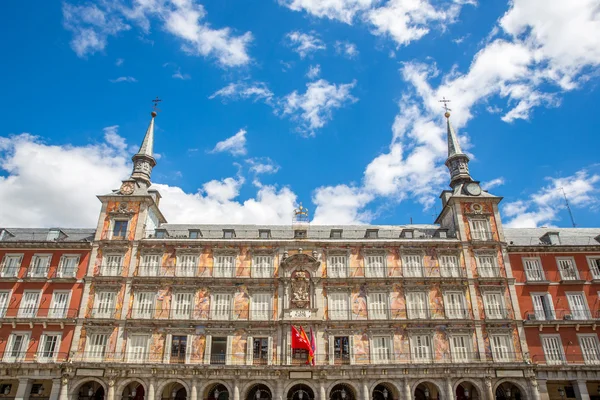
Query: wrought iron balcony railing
x=38 y=313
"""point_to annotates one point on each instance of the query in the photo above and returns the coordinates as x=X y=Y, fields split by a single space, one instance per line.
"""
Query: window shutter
x=207 y=349
x=168 y=344
x=59 y=305
x=228 y=351
x=249 y=350
x=552 y=349
x=331 y=354
x=188 y=348
x=270 y=350
x=351 y=348
x=4 y=301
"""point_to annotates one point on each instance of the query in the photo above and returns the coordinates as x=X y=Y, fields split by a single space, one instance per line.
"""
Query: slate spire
x=143 y=160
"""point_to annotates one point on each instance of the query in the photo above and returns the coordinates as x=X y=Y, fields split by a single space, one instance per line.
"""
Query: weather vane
x=156 y=101
x=445 y=102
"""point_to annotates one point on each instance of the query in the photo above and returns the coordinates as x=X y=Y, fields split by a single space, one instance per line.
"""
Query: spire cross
x=156 y=101
x=445 y=104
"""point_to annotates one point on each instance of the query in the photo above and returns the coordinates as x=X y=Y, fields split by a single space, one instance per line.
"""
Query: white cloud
x=341 y=204
x=129 y=79
x=179 y=75
x=244 y=91
x=119 y=62
x=493 y=183
x=262 y=165
x=342 y=10
x=304 y=43
x=546 y=205
x=345 y=48
x=313 y=71
x=314 y=108
x=235 y=145
x=92 y=25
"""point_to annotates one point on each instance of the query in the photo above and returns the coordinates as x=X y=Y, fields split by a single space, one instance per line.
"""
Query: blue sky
x=274 y=102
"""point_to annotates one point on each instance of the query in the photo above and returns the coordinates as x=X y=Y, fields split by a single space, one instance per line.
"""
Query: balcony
x=36 y=273
x=591 y=358
x=110 y=271
x=64 y=273
x=42 y=313
x=17 y=357
x=483 y=236
x=489 y=273
x=561 y=316
x=117 y=235
x=399 y=272
x=498 y=314
x=189 y=314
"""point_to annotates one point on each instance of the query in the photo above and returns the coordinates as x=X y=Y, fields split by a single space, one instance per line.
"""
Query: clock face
x=473 y=189
x=127 y=188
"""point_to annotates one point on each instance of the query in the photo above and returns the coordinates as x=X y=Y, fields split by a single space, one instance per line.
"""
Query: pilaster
x=24 y=389
x=55 y=392
x=580 y=386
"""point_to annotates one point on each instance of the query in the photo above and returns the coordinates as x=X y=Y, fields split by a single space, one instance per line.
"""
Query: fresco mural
x=436 y=302
x=441 y=345
x=430 y=264
x=398 y=302
x=111 y=347
x=201 y=304
x=356 y=263
x=241 y=303
x=393 y=261
x=359 y=302
x=480 y=304
x=238 y=348
x=206 y=262
x=157 y=344
x=125 y=208
x=243 y=263
x=163 y=303
x=197 y=349
x=401 y=345
x=361 y=349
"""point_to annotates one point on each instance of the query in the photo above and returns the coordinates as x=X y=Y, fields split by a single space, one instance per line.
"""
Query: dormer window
x=408 y=233
x=161 y=233
x=372 y=234
x=53 y=235
x=551 y=238
x=264 y=233
x=195 y=234
x=3 y=234
x=442 y=234
x=120 y=229
x=228 y=233
x=300 y=234
x=336 y=234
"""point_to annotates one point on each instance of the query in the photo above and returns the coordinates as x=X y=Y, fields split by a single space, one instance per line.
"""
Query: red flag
x=313 y=345
x=311 y=353
x=299 y=341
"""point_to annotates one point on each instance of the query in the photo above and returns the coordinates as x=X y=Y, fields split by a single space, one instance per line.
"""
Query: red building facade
x=557 y=273
x=41 y=285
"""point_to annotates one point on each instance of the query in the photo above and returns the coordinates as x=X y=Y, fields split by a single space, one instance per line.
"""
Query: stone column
x=111 y=389
x=534 y=388
x=279 y=389
x=542 y=390
x=194 y=390
x=488 y=389
x=55 y=392
x=407 y=391
x=24 y=389
x=64 y=389
x=322 y=393
x=365 y=389
x=236 y=390
x=151 y=389
x=580 y=386
x=449 y=391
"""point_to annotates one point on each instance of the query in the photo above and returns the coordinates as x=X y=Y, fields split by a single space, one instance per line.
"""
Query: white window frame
x=257 y=311
x=556 y=355
x=224 y=265
x=449 y=265
x=335 y=298
x=458 y=354
x=378 y=309
x=381 y=349
x=24 y=308
x=578 y=313
x=105 y=308
x=412 y=265
x=144 y=304
x=216 y=310
x=22 y=352
x=533 y=274
x=262 y=266
x=594 y=265
x=591 y=356
x=421 y=356
x=111 y=232
x=16 y=267
x=186 y=265
x=41 y=352
x=109 y=265
x=92 y=350
x=337 y=266
x=505 y=354
x=455 y=311
x=150 y=264
x=40 y=270
x=571 y=275
x=53 y=312
x=490 y=311
x=478 y=234
x=413 y=312
x=178 y=310
x=375 y=265
x=134 y=354
x=547 y=298
x=5 y=297
x=66 y=271
x=494 y=269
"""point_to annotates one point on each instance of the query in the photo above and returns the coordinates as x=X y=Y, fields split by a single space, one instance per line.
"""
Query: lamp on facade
x=173 y=393
x=385 y=393
x=508 y=393
x=426 y=393
x=40 y=390
x=466 y=392
x=133 y=392
x=217 y=394
x=561 y=392
x=301 y=394
x=257 y=395
x=7 y=389
x=90 y=392
x=343 y=394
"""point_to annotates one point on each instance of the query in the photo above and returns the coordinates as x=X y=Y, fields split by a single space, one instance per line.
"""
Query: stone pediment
x=300 y=261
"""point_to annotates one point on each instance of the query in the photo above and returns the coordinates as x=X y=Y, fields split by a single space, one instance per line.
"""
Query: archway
x=174 y=391
x=300 y=392
x=508 y=391
x=384 y=391
x=467 y=391
x=90 y=390
x=259 y=392
x=133 y=391
x=341 y=391
x=427 y=391
x=218 y=391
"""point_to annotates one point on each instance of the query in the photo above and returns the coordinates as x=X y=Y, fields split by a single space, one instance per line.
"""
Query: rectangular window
x=186 y=265
x=449 y=266
x=381 y=349
x=420 y=348
x=59 y=304
x=228 y=233
x=566 y=267
x=335 y=234
x=150 y=265
x=378 y=305
x=104 y=304
x=11 y=265
x=48 y=349
x=533 y=269
x=67 y=267
x=96 y=346
x=53 y=235
x=461 y=348
x=264 y=233
x=417 y=305
x=182 y=305
x=111 y=265
x=218 y=350
x=120 y=229
x=262 y=266
x=455 y=305
x=29 y=304
x=341 y=350
x=261 y=304
x=137 y=348
x=494 y=306
x=502 y=348
x=336 y=267
x=178 y=349
x=590 y=348
x=39 y=266
x=487 y=267
x=16 y=348
x=553 y=349
x=224 y=266
x=337 y=306
x=578 y=306
x=4 y=301
x=144 y=305
x=480 y=229
x=221 y=306
x=542 y=306
x=260 y=351
x=375 y=266
x=195 y=235
x=413 y=265
x=594 y=263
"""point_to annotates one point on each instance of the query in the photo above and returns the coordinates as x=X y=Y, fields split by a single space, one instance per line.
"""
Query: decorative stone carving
x=300 y=289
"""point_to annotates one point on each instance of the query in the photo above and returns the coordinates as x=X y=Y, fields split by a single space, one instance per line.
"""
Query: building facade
x=41 y=284
x=557 y=274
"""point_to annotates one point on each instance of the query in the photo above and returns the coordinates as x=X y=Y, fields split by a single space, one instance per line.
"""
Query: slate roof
x=41 y=235
x=538 y=236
